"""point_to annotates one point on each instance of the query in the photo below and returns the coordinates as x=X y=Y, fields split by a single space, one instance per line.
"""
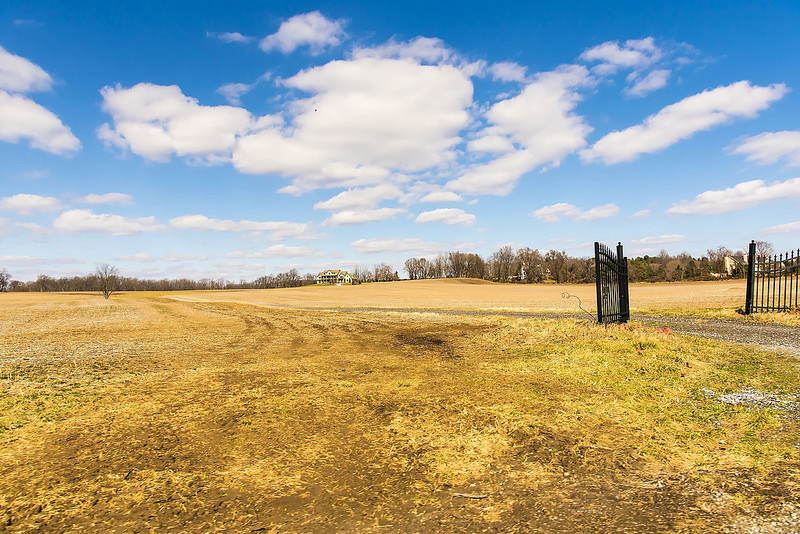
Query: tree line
x=524 y=265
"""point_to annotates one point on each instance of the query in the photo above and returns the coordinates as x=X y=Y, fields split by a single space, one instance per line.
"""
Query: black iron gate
x=611 y=279
x=773 y=282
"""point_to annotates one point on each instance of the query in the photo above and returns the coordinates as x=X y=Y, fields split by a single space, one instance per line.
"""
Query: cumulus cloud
x=22 y=117
x=639 y=214
x=106 y=198
x=279 y=251
x=156 y=121
x=507 y=71
x=541 y=121
x=278 y=230
x=309 y=29
x=788 y=228
x=556 y=212
x=441 y=196
x=233 y=92
x=32 y=227
x=683 y=119
x=364 y=198
x=491 y=144
x=451 y=216
x=19 y=75
x=25 y=119
x=26 y=204
x=350 y=217
x=770 y=147
x=366 y=117
x=652 y=81
x=74 y=221
x=633 y=54
x=421 y=49
x=394 y=245
x=742 y=195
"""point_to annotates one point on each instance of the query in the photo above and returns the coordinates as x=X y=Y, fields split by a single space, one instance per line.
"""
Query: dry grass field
x=479 y=294
x=217 y=413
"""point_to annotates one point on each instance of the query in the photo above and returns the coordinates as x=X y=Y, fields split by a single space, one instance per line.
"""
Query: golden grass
x=145 y=412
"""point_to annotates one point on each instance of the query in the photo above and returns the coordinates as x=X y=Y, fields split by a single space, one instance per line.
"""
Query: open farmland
x=242 y=412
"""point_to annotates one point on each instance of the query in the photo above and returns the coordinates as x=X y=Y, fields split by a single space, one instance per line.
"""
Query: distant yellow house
x=334 y=276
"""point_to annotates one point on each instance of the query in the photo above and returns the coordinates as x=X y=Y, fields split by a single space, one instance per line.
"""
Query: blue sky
x=235 y=139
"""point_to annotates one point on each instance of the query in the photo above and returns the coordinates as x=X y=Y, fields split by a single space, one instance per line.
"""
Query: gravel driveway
x=764 y=335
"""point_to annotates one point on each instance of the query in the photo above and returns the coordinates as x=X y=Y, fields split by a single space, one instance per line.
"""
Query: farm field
x=213 y=412
x=482 y=295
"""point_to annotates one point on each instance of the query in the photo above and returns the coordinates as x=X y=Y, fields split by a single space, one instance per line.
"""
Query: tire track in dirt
x=764 y=335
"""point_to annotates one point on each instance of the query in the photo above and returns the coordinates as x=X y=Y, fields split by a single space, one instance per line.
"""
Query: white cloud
x=393 y=245
x=233 y=92
x=26 y=204
x=366 y=117
x=633 y=54
x=651 y=82
x=639 y=214
x=156 y=121
x=86 y=221
x=22 y=118
x=33 y=227
x=507 y=71
x=311 y=29
x=742 y=195
x=451 y=216
x=491 y=144
x=769 y=147
x=442 y=196
x=422 y=49
x=349 y=217
x=356 y=199
x=556 y=212
x=788 y=228
x=683 y=119
x=19 y=75
x=541 y=120
x=233 y=37
x=658 y=240
x=279 y=251
x=25 y=119
x=278 y=230
x=106 y=198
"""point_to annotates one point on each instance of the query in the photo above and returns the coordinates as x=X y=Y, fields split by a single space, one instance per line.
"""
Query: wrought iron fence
x=611 y=280
x=773 y=282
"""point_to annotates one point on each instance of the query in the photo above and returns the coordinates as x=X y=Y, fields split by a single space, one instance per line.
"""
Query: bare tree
x=764 y=248
x=503 y=261
x=554 y=260
x=5 y=280
x=107 y=279
x=530 y=265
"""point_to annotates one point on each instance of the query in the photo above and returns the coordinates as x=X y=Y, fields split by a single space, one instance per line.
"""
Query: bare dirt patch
x=140 y=414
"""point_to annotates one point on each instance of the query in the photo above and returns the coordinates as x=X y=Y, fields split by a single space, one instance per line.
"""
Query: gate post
x=624 y=306
x=751 y=277
x=598 y=282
